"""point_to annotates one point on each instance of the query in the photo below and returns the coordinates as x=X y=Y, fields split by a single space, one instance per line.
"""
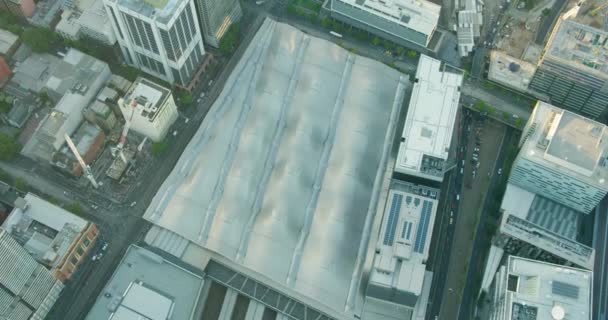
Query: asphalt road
x=480 y=248
x=600 y=269
x=456 y=261
x=443 y=233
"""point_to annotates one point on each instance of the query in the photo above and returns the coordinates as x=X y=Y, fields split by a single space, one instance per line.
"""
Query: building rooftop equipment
x=580 y=46
x=148 y=97
x=545 y=224
x=146 y=286
x=283 y=176
x=7 y=41
x=418 y=15
x=403 y=245
x=44 y=230
x=429 y=124
x=567 y=142
x=534 y=290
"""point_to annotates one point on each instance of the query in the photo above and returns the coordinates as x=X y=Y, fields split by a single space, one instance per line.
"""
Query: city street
x=483 y=140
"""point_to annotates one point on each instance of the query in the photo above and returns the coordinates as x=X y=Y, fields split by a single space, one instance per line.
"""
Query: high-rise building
x=527 y=289
x=573 y=69
x=27 y=289
x=410 y=23
x=150 y=108
x=160 y=37
x=216 y=17
x=563 y=157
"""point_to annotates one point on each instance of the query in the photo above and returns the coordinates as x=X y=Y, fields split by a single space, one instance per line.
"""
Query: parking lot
x=476 y=165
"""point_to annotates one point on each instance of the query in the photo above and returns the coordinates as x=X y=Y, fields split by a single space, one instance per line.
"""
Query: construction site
x=526 y=25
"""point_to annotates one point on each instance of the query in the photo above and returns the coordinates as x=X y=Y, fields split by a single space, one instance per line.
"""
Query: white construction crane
x=85 y=168
x=125 y=132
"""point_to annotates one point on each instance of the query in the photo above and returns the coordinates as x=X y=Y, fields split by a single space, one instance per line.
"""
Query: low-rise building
x=527 y=289
x=22 y=8
x=75 y=81
x=54 y=237
x=410 y=23
x=27 y=289
x=469 y=26
x=20 y=113
x=86 y=18
x=429 y=124
x=398 y=279
x=147 y=286
x=5 y=72
x=150 y=108
x=100 y=113
x=9 y=42
x=89 y=140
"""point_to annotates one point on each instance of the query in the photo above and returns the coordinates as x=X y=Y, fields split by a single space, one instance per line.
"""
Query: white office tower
x=563 y=157
x=160 y=37
x=27 y=289
x=429 y=124
x=149 y=108
x=399 y=284
x=535 y=290
x=216 y=18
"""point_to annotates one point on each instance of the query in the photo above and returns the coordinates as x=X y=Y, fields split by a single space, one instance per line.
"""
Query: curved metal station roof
x=283 y=175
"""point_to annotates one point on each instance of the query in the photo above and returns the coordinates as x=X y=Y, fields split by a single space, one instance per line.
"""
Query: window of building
x=80 y=251
x=86 y=242
x=74 y=261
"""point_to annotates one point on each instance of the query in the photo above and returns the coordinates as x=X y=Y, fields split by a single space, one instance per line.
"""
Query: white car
x=499 y=171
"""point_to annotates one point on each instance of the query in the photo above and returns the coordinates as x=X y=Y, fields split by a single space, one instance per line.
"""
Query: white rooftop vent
x=558 y=312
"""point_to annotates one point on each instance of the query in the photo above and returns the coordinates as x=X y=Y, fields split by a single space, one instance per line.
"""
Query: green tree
x=546 y=12
x=7 y=19
x=21 y=184
x=412 y=54
x=4 y=176
x=361 y=35
x=75 y=208
x=326 y=23
x=158 y=148
x=519 y=123
x=291 y=9
x=505 y=115
x=376 y=41
x=230 y=40
x=186 y=99
x=481 y=106
x=400 y=50
x=313 y=18
x=39 y=39
x=8 y=147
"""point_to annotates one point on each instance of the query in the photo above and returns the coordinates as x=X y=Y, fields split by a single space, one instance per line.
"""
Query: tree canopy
x=39 y=39
x=9 y=148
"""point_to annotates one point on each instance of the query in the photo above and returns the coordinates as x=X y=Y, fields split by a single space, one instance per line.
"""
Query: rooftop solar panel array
x=393 y=218
x=423 y=225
